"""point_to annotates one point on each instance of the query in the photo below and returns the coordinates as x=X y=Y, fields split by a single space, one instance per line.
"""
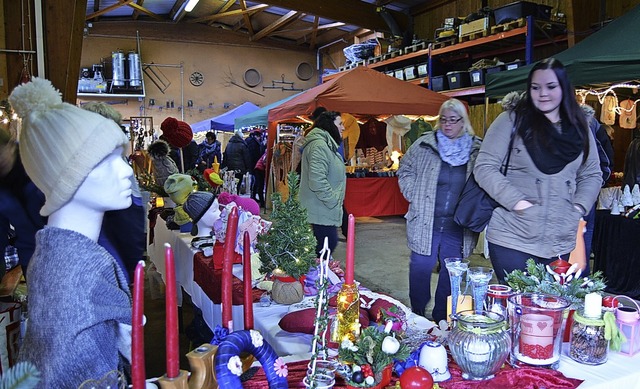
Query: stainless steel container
x=135 y=73
x=117 y=63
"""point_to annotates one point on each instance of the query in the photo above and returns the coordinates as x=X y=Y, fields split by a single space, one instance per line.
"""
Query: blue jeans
x=443 y=245
x=505 y=260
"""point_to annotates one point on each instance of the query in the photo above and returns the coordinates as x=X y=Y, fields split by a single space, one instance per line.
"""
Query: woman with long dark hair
x=553 y=177
x=322 y=179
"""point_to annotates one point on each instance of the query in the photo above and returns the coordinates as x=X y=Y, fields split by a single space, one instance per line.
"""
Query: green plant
x=290 y=244
x=372 y=351
x=538 y=279
x=23 y=375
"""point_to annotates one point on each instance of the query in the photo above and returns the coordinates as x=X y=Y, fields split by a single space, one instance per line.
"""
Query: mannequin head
x=204 y=210
x=108 y=185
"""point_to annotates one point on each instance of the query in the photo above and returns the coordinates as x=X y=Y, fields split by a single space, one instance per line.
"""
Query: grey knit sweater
x=77 y=297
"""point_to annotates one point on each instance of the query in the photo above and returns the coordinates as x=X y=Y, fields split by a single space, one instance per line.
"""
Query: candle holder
x=587 y=343
x=456 y=268
x=628 y=321
x=348 y=315
x=479 y=343
x=479 y=277
x=497 y=298
x=537 y=322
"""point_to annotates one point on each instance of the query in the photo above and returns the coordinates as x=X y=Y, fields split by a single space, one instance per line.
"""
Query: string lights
x=600 y=95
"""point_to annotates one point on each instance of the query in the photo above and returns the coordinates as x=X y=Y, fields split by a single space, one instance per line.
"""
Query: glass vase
x=479 y=343
x=456 y=268
x=536 y=321
x=479 y=277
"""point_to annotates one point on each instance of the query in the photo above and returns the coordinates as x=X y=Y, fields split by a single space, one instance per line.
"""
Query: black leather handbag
x=475 y=206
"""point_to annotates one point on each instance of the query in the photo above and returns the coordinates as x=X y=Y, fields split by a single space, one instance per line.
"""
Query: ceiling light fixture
x=191 y=4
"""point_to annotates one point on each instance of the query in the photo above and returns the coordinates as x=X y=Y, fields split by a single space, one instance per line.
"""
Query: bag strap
x=508 y=156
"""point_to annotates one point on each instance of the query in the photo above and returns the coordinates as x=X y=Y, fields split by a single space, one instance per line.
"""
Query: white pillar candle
x=593 y=305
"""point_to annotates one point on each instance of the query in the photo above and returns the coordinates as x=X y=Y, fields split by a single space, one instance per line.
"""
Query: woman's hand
x=522 y=205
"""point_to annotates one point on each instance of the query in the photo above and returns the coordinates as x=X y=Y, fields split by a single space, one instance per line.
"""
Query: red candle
x=138 y=373
x=246 y=278
x=171 y=308
x=227 y=269
x=351 y=245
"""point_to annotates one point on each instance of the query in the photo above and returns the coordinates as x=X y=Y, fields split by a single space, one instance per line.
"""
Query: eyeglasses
x=449 y=120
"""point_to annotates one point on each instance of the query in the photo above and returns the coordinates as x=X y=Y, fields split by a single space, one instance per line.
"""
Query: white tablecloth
x=620 y=371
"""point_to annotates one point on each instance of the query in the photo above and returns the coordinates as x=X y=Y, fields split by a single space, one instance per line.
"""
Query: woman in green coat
x=323 y=180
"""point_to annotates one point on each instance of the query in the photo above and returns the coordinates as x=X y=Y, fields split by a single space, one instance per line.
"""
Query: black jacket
x=236 y=155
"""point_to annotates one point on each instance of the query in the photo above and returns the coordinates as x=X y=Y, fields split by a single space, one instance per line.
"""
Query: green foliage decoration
x=536 y=279
x=290 y=244
x=23 y=375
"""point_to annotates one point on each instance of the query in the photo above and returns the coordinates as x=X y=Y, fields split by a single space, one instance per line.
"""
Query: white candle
x=478 y=351
x=593 y=305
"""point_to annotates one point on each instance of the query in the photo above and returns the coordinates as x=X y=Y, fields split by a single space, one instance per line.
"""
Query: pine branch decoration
x=290 y=244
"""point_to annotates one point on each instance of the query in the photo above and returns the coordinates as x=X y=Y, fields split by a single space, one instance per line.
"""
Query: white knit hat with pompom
x=60 y=143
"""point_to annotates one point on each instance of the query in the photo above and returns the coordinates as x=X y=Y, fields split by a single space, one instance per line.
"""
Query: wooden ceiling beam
x=282 y=21
x=136 y=7
x=120 y=3
x=354 y=12
x=136 y=13
x=313 y=28
x=314 y=34
x=224 y=7
x=246 y=17
x=429 y=6
x=235 y=12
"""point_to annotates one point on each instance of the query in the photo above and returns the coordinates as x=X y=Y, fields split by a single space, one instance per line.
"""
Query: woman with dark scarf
x=553 y=178
x=431 y=176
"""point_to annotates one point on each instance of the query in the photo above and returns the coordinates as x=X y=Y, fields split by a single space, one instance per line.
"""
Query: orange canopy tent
x=360 y=91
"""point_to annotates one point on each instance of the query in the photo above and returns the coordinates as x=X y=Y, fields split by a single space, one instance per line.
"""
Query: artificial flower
x=280 y=368
x=256 y=338
x=235 y=365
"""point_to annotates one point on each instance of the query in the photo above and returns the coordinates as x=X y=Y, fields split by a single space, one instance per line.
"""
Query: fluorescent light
x=191 y=4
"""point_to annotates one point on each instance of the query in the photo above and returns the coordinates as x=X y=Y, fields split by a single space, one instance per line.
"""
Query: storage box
x=439 y=83
x=476 y=77
x=410 y=72
x=514 y=65
x=479 y=25
x=521 y=9
x=495 y=69
x=399 y=73
x=423 y=70
x=458 y=79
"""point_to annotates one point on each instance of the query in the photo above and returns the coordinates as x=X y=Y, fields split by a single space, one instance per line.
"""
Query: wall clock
x=196 y=79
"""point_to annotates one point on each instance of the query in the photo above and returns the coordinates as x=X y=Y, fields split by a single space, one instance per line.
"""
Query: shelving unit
x=509 y=44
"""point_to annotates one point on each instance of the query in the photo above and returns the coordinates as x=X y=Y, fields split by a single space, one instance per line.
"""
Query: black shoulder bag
x=475 y=206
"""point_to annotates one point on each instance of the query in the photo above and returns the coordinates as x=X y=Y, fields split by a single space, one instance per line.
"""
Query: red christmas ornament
x=416 y=378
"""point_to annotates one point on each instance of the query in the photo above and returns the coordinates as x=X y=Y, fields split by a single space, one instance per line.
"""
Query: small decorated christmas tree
x=290 y=244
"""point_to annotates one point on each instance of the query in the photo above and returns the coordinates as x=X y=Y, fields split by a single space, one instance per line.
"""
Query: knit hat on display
x=177 y=132
x=197 y=204
x=246 y=203
x=179 y=187
x=60 y=144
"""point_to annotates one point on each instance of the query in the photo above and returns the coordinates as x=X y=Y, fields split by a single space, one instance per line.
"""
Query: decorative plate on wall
x=252 y=77
x=304 y=71
x=196 y=78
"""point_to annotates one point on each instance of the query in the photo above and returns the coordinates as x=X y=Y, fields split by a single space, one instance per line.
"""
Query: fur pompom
x=510 y=101
x=37 y=95
x=158 y=149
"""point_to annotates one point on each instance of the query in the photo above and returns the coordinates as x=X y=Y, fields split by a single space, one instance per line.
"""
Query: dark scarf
x=559 y=149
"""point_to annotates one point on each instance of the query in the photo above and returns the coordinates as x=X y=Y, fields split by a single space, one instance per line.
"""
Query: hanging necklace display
x=628 y=114
x=608 y=113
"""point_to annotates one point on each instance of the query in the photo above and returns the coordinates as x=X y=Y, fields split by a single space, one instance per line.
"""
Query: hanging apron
x=608 y=113
x=628 y=114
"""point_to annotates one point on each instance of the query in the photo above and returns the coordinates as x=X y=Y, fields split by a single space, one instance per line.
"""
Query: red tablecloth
x=374 y=196
x=210 y=280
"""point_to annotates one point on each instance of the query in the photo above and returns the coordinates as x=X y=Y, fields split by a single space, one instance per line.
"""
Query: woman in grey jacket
x=322 y=179
x=553 y=177
x=431 y=176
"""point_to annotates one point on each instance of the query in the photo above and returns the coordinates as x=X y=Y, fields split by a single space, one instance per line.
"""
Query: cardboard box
x=399 y=73
x=410 y=72
x=423 y=70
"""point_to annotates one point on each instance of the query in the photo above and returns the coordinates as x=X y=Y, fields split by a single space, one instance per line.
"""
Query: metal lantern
x=628 y=320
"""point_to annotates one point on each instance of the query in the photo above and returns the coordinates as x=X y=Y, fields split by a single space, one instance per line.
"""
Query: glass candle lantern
x=628 y=321
x=348 y=314
x=479 y=343
x=587 y=343
x=497 y=298
x=537 y=322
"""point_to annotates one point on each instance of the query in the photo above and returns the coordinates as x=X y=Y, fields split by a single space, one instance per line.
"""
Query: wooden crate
x=508 y=26
x=479 y=25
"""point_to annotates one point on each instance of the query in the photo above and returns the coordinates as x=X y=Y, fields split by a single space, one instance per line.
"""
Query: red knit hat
x=176 y=132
